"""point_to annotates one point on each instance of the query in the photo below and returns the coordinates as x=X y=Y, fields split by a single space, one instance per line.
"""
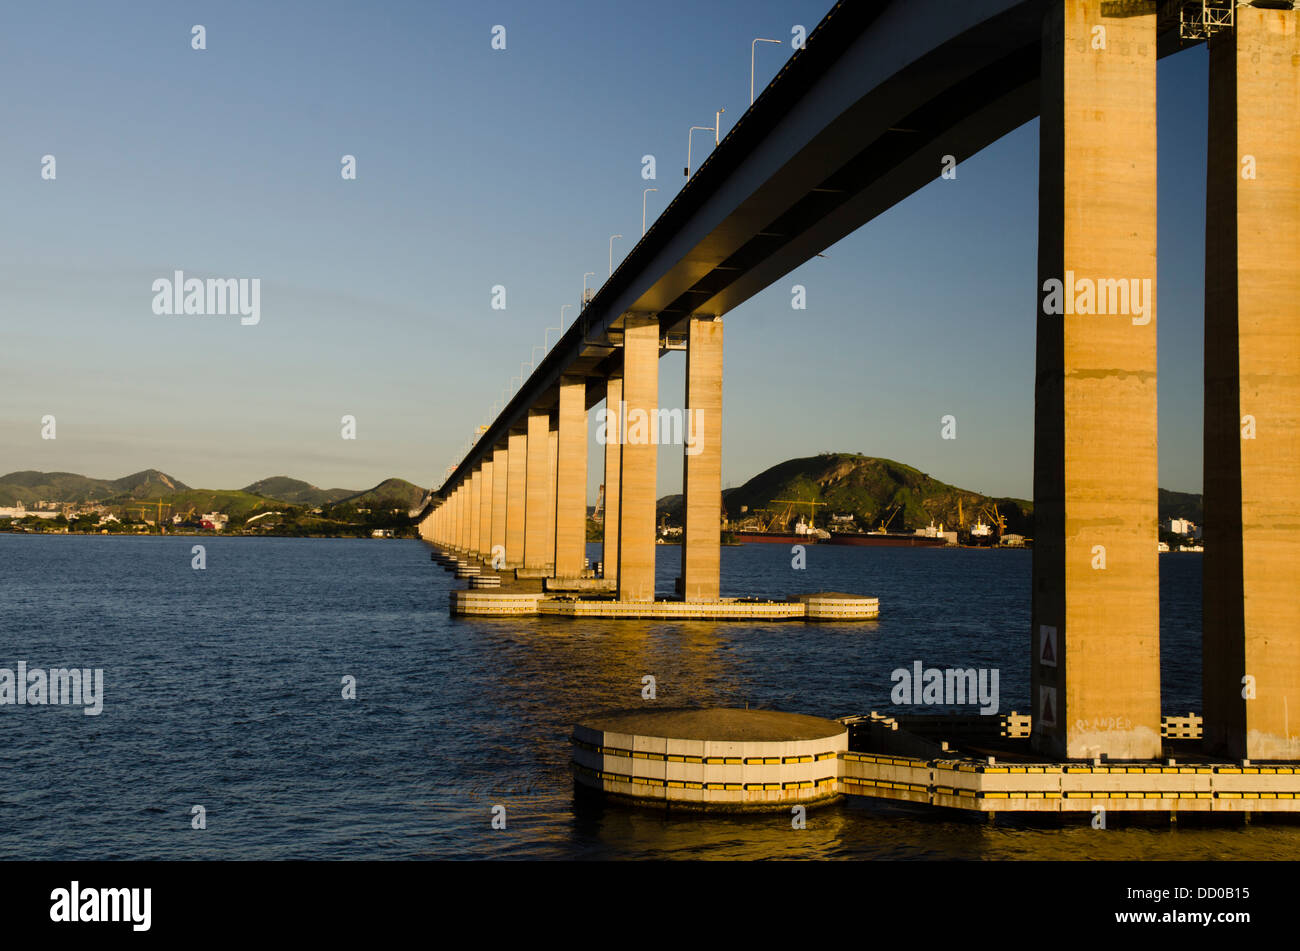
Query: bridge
x=856 y=121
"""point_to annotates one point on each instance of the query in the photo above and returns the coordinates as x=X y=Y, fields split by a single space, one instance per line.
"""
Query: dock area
x=732 y=760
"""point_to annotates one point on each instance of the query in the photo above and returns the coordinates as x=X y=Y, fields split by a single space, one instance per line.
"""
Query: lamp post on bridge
x=751 y=64
x=717 y=125
x=584 y=287
x=643 y=194
x=611 y=253
x=694 y=128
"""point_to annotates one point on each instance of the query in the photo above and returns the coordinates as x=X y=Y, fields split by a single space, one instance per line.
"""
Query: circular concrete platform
x=711 y=759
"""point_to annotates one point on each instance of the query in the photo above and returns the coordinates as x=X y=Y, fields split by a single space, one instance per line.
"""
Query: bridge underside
x=862 y=118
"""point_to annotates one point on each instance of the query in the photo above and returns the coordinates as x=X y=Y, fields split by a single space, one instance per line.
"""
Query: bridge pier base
x=1251 y=669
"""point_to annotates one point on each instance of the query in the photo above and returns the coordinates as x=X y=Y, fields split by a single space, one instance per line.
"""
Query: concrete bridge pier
x=552 y=475
x=497 y=530
x=485 y=511
x=1251 y=670
x=613 y=473
x=462 y=517
x=475 y=510
x=538 y=495
x=702 y=461
x=571 y=479
x=1095 y=615
x=516 y=497
x=638 y=467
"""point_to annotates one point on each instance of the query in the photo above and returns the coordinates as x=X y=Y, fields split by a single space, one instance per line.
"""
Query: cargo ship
x=775 y=538
x=803 y=534
x=870 y=539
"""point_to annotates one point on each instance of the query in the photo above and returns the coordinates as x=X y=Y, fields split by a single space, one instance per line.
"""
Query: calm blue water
x=223 y=689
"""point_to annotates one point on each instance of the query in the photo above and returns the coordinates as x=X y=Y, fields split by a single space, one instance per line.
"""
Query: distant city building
x=1015 y=541
x=1182 y=526
x=214 y=521
x=21 y=511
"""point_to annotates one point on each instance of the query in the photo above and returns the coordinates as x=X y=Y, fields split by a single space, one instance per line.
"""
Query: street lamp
x=611 y=253
x=643 y=194
x=702 y=128
x=717 y=124
x=562 y=310
x=546 y=346
x=584 y=287
x=751 y=64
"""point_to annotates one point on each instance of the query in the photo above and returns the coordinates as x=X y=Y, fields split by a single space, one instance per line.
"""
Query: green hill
x=233 y=502
x=297 y=491
x=869 y=489
x=401 y=493
x=29 y=486
x=1188 y=505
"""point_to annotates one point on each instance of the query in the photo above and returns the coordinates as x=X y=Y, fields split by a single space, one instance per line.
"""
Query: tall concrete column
x=497 y=533
x=640 y=459
x=1095 y=643
x=537 y=507
x=516 y=497
x=571 y=480
x=552 y=463
x=485 y=510
x=613 y=474
x=476 y=483
x=1251 y=617
x=463 y=517
x=475 y=508
x=702 y=468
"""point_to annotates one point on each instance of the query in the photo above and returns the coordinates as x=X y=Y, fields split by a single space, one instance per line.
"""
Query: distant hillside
x=194 y=502
x=870 y=489
x=1186 y=505
x=297 y=491
x=29 y=486
x=397 y=490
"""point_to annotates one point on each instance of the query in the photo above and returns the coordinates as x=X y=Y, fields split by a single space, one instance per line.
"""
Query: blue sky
x=478 y=167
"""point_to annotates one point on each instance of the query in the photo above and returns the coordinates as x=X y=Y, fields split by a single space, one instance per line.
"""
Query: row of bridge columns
x=1096 y=592
x=1095 y=614
x=524 y=506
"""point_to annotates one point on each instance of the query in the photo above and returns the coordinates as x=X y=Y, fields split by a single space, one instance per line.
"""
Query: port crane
x=143 y=507
x=887 y=518
x=789 y=503
x=999 y=522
